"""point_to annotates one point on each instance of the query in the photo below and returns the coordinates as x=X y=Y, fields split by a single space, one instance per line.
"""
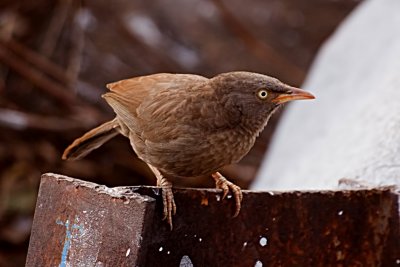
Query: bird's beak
x=293 y=94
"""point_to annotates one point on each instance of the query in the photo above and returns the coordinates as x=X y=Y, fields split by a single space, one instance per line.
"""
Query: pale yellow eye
x=262 y=94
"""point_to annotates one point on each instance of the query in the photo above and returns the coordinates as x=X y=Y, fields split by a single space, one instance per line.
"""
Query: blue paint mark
x=67 y=244
x=67 y=240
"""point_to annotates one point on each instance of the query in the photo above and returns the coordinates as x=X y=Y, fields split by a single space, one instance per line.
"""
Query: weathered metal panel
x=344 y=228
x=123 y=227
x=78 y=223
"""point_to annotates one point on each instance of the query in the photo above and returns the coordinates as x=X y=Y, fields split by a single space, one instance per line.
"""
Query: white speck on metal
x=258 y=264
x=186 y=262
x=263 y=241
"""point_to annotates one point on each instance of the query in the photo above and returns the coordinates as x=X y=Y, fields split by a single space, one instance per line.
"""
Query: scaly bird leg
x=167 y=195
x=222 y=183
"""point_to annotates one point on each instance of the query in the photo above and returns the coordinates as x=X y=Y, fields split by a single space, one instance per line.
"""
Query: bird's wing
x=147 y=101
x=133 y=87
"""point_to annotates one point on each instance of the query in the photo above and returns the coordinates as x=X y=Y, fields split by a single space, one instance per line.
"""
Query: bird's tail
x=91 y=140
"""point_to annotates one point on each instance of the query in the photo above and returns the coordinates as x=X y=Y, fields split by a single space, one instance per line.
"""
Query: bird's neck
x=254 y=126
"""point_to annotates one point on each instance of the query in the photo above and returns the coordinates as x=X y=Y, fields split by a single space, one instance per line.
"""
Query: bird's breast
x=234 y=145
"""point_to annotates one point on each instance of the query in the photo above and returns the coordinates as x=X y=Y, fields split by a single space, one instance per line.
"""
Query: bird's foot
x=168 y=199
x=222 y=183
x=167 y=195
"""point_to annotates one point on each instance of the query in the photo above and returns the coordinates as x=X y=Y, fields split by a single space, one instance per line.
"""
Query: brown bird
x=185 y=125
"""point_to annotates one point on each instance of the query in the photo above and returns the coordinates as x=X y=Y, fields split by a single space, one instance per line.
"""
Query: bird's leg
x=167 y=195
x=222 y=183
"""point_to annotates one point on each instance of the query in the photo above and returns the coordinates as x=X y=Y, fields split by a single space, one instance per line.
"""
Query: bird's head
x=256 y=96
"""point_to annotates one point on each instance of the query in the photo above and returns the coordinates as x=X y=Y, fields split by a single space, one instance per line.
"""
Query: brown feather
x=91 y=140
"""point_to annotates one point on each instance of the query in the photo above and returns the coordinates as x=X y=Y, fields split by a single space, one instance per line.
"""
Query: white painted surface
x=352 y=129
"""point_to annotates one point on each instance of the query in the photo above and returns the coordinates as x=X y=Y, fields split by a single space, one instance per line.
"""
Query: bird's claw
x=169 y=207
x=222 y=183
x=168 y=204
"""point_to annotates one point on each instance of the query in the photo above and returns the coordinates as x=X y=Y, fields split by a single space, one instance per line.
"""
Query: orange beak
x=293 y=94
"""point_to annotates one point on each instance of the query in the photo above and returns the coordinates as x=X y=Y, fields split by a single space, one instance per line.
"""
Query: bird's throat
x=255 y=125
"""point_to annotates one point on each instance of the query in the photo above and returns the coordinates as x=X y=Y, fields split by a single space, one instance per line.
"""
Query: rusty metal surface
x=349 y=228
x=343 y=228
x=79 y=223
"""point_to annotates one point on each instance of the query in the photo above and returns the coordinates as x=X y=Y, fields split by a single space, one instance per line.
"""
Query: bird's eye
x=262 y=94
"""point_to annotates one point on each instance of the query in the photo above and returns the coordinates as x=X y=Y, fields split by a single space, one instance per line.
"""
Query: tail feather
x=91 y=140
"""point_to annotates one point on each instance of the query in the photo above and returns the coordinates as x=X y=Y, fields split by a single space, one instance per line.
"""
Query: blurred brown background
x=57 y=56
